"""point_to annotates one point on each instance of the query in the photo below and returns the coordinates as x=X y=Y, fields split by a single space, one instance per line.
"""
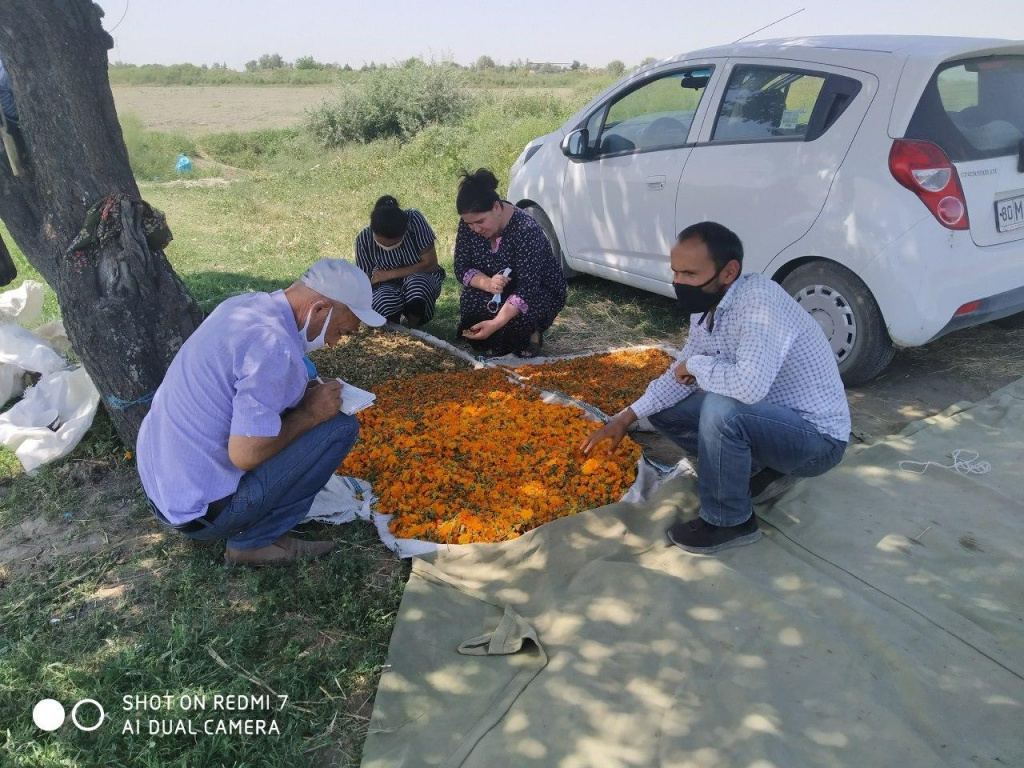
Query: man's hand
x=614 y=430
x=498 y=283
x=322 y=402
x=379 y=276
x=683 y=376
x=482 y=330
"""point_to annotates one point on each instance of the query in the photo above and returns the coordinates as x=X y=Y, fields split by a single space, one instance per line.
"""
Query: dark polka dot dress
x=537 y=286
x=414 y=294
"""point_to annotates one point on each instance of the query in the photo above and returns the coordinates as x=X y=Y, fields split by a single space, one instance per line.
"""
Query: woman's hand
x=482 y=330
x=498 y=283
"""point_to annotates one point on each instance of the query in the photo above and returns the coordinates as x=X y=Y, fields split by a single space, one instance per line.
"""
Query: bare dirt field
x=196 y=109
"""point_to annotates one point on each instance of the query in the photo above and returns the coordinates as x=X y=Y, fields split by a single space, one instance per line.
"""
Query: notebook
x=354 y=399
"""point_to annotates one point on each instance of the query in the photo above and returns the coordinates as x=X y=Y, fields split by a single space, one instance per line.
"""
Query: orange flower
x=611 y=381
x=472 y=457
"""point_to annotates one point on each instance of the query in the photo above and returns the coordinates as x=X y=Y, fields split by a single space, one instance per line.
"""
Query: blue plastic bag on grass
x=184 y=164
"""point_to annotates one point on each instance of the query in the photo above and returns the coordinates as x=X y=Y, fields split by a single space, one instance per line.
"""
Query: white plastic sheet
x=51 y=418
x=342 y=500
x=21 y=351
x=21 y=347
x=24 y=304
x=56 y=413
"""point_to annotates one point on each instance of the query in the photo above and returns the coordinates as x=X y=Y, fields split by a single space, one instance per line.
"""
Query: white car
x=879 y=179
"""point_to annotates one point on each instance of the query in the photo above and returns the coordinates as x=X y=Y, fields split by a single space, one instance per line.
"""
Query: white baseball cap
x=343 y=282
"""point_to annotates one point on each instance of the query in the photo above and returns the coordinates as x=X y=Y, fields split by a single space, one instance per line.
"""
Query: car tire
x=536 y=213
x=1011 y=323
x=849 y=315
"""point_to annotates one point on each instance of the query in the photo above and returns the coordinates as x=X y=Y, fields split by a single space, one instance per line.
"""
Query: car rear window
x=973 y=109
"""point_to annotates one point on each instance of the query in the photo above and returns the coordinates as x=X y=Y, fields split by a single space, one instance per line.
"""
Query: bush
x=615 y=67
x=152 y=155
x=391 y=103
x=249 y=149
x=308 y=62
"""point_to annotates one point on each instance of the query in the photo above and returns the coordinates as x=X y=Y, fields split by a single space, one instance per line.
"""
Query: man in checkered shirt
x=755 y=393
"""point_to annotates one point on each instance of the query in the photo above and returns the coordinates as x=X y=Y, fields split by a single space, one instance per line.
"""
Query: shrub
x=308 y=62
x=615 y=67
x=152 y=154
x=391 y=103
x=249 y=149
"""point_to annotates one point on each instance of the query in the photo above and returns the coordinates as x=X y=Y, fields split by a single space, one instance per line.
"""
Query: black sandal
x=533 y=348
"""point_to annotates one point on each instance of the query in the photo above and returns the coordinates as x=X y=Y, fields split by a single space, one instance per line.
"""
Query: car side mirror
x=575 y=144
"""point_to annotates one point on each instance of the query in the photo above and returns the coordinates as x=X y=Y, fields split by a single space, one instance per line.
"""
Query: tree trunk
x=126 y=312
x=7 y=269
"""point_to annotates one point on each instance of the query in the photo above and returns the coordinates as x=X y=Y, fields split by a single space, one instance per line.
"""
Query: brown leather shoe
x=284 y=551
x=303 y=549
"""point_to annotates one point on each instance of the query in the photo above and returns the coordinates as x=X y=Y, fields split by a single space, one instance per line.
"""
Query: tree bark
x=7 y=269
x=126 y=312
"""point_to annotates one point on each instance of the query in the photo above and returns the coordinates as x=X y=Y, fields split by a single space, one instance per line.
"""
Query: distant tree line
x=272 y=62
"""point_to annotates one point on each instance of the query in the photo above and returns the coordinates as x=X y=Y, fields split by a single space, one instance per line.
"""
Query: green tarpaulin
x=879 y=622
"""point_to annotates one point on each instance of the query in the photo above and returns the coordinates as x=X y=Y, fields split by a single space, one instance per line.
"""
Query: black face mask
x=692 y=300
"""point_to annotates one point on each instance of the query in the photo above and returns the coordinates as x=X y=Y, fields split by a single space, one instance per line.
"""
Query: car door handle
x=655 y=182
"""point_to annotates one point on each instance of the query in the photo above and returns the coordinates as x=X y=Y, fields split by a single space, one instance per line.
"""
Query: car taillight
x=924 y=169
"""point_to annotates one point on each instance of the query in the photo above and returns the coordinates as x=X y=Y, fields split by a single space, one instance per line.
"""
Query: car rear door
x=974 y=110
x=767 y=154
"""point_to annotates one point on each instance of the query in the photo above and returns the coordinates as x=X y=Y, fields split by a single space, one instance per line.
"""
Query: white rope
x=960 y=465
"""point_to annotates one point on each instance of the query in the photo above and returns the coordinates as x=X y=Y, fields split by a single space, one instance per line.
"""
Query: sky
x=593 y=32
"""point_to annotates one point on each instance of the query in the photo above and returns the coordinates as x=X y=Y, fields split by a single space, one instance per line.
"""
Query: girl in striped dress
x=494 y=237
x=397 y=253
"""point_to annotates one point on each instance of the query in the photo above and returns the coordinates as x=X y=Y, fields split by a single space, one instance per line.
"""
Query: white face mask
x=389 y=247
x=319 y=341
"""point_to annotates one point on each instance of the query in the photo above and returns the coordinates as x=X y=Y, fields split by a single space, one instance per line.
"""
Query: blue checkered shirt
x=761 y=346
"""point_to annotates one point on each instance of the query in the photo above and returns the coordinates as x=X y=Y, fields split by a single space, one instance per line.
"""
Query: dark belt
x=213 y=510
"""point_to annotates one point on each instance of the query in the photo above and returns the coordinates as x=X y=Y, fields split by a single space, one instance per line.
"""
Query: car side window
x=772 y=104
x=657 y=115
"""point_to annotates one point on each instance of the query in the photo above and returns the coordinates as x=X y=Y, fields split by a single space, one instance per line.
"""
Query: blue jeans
x=729 y=438
x=276 y=496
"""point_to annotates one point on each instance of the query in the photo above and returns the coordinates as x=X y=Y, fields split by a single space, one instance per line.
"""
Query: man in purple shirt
x=238 y=440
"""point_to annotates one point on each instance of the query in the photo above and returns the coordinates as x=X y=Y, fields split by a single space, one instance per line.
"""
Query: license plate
x=1010 y=213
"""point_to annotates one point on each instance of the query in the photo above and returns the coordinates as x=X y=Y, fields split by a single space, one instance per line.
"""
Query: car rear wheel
x=537 y=214
x=848 y=314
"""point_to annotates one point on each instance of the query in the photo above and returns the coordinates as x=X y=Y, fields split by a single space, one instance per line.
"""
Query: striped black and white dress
x=392 y=297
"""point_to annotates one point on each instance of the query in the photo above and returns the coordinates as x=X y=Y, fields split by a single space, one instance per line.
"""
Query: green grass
x=153 y=155
x=145 y=612
x=148 y=618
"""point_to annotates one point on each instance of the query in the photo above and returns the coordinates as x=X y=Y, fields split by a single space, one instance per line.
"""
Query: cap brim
x=369 y=317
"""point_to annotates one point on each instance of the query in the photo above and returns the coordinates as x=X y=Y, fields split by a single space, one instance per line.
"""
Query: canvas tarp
x=878 y=622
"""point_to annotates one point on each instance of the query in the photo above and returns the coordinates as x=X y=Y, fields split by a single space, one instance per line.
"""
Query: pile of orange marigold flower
x=610 y=381
x=472 y=457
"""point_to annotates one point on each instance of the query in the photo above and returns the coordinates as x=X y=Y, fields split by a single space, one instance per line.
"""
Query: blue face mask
x=319 y=341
